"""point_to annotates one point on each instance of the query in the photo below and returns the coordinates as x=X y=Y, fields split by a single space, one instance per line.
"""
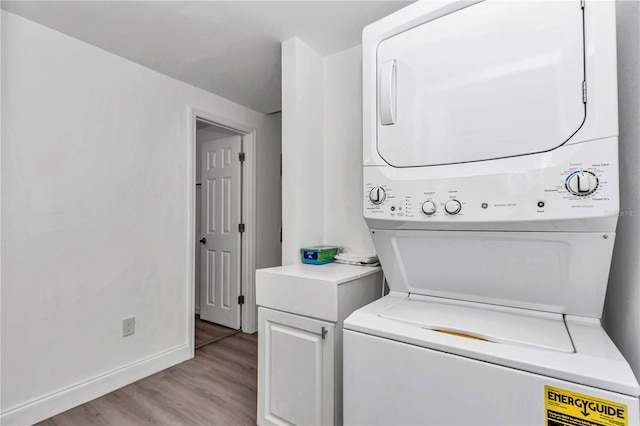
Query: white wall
x=622 y=307
x=1 y=94
x=269 y=193
x=302 y=149
x=96 y=217
x=322 y=150
x=344 y=222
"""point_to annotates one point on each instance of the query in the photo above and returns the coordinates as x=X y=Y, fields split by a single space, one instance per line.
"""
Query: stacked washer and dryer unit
x=491 y=194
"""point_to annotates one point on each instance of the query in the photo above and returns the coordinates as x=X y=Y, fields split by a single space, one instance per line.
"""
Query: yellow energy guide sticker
x=567 y=408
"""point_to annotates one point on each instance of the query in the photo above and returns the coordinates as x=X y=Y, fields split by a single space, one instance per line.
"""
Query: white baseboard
x=72 y=396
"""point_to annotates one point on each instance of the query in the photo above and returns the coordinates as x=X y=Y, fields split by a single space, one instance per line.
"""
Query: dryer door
x=493 y=80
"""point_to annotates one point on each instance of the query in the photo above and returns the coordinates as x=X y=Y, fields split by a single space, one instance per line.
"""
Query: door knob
x=203 y=240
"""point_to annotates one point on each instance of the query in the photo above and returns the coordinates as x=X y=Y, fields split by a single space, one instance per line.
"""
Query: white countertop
x=328 y=292
x=336 y=273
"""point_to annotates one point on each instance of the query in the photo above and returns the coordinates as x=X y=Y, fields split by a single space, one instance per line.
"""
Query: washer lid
x=497 y=324
x=492 y=80
x=595 y=360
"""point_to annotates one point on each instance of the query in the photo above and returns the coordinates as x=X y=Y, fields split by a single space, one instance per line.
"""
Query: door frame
x=247 y=132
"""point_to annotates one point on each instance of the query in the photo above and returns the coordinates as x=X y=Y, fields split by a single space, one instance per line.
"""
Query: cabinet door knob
x=324 y=332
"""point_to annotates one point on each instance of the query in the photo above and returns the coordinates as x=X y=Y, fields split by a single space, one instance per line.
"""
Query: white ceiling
x=230 y=48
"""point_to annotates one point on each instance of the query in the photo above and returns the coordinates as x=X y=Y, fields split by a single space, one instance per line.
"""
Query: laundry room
x=343 y=224
x=508 y=284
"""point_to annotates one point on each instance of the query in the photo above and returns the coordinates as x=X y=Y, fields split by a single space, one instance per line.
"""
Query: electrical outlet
x=128 y=326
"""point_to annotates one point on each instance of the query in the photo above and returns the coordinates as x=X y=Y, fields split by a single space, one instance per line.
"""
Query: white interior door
x=220 y=238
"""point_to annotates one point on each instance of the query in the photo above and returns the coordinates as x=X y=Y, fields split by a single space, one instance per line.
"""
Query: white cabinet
x=300 y=315
x=296 y=364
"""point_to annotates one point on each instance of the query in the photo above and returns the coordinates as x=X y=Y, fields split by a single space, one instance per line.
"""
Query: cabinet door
x=295 y=369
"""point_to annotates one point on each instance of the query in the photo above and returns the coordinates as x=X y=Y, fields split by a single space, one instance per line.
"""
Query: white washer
x=398 y=370
x=491 y=192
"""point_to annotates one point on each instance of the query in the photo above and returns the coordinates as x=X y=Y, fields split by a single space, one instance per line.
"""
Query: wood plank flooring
x=208 y=332
x=217 y=387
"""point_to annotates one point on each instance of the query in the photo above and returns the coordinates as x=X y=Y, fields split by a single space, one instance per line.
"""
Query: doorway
x=218 y=225
x=223 y=248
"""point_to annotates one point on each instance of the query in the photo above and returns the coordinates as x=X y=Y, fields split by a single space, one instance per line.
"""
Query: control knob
x=428 y=208
x=377 y=195
x=582 y=183
x=453 y=207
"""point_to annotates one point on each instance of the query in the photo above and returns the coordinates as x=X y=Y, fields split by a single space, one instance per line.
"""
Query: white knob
x=582 y=183
x=377 y=195
x=453 y=207
x=428 y=208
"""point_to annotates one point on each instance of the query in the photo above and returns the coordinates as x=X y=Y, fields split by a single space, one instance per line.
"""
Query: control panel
x=571 y=188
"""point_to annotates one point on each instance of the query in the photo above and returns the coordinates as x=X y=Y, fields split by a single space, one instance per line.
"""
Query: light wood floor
x=217 y=387
x=208 y=332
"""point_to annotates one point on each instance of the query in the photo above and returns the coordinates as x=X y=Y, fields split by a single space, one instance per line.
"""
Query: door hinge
x=241 y=157
x=584 y=92
x=240 y=300
x=241 y=228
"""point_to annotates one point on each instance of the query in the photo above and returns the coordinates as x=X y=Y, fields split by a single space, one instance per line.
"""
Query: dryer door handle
x=387 y=93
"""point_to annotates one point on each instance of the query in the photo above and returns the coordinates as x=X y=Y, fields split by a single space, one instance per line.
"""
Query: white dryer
x=491 y=194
